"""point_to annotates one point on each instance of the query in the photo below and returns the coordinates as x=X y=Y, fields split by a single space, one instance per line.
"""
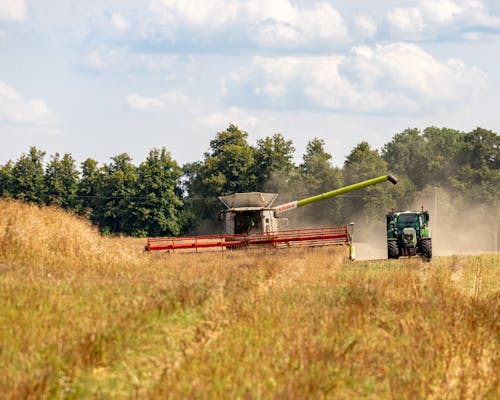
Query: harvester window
x=247 y=221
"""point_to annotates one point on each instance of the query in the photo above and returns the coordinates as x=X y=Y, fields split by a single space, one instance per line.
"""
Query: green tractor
x=408 y=234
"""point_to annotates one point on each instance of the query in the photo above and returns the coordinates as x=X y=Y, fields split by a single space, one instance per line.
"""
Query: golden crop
x=83 y=316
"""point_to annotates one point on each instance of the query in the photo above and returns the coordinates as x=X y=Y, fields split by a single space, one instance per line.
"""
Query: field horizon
x=87 y=316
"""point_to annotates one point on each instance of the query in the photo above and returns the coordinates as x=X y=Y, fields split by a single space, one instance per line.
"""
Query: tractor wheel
x=392 y=249
x=426 y=249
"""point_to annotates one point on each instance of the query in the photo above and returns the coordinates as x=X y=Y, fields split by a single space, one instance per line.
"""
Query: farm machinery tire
x=426 y=249
x=392 y=249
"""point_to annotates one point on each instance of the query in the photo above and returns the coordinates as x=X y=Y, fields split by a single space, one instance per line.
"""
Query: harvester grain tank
x=251 y=220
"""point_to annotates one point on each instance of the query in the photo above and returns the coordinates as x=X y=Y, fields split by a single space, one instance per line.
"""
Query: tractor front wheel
x=426 y=248
x=392 y=249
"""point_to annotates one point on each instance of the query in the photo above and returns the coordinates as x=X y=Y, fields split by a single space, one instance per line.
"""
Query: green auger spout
x=323 y=196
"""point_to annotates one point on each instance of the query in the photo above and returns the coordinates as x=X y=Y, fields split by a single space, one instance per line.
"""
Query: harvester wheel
x=426 y=248
x=392 y=249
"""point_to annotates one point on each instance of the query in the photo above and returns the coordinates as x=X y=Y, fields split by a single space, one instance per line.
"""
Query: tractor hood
x=251 y=200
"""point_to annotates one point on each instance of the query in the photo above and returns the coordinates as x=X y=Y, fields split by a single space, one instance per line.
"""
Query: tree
x=158 y=211
x=407 y=155
x=28 y=178
x=6 y=179
x=317 y=169
x=194 y=218
x=116 y=196
x=361 y=164
x=61 y=179
x=88 y=186
x=317 y=175
x=482 y=149
x=442 y=148
x=478 y=177
x=273 y=162
x=228 y=167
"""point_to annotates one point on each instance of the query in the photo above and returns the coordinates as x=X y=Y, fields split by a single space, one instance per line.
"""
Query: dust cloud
x=457 y=226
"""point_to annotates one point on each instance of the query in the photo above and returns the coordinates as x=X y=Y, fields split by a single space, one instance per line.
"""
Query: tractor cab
x=409 y=226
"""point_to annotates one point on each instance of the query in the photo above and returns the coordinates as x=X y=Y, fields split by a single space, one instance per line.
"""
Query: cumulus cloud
x=365 y=25
x=12 y=10
x=213 y=121
x=16 y=110
x=282 y=24
x=208 y=14
x=265 y=23
x=167 y=101
x=104 y=58
x=119 y=22
x=431 y=19
x=413 y=73
x=382 y=78
x=407 y=22
x=122 y=58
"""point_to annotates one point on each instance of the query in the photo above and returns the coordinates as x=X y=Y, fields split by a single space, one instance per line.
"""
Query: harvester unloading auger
x=250 y=220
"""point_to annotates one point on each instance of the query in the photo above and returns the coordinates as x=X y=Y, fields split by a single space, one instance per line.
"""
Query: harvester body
x=253 y=212
x=408 y=234
x=251 y=220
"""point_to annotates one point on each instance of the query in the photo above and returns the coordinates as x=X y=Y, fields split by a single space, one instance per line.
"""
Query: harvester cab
x=408 y=234
x=250 y=212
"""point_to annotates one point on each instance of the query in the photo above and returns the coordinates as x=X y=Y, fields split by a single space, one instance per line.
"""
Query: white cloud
x=16 y=110
x=262 y=22
x=12 y=10
x=271 y=90
x=383 y=78
x=121 y=58
x=408 y=22
x=213 y=121
x=283 y=24
x=104 y=58
x=444 y=11
x=365 y=25
x=144 y=104
x=166 y=102
x=434 y=18
x=207 y=14
x=414 y=73
x=119 y=22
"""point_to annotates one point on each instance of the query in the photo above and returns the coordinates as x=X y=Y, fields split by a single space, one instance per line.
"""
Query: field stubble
x=82 y=316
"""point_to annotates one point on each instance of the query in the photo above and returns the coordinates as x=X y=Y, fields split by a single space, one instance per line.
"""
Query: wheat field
x=84 y=316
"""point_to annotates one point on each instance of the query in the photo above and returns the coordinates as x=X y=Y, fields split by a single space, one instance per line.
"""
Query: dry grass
x=83 y=316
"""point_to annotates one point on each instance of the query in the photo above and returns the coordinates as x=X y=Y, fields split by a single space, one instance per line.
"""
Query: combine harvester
x=251 y=221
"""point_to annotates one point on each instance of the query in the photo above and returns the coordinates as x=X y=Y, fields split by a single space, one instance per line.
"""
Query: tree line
x=159 y=197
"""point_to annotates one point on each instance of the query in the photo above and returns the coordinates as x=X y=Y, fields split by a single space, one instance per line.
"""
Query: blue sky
x=99 y=78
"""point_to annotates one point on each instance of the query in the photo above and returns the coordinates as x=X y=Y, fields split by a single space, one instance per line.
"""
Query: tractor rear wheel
x=392 y=249
x=426 y=248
